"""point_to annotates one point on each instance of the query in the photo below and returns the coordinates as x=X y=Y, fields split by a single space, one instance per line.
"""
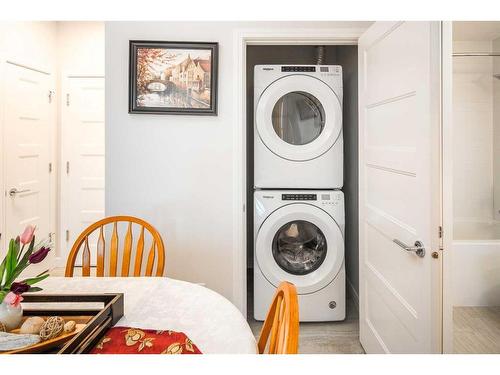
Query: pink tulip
x=13 y=299
x=27 y=235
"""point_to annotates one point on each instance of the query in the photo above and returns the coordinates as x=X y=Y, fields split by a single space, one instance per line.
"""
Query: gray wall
x=347 y=57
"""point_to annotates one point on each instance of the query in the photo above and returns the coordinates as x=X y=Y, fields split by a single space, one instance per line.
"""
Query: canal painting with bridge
x=173 y=78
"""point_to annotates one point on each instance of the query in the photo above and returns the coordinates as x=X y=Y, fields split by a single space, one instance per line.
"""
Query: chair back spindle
x=156 y=255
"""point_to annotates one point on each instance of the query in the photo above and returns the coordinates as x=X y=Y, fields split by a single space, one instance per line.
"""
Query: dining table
x=211 y=321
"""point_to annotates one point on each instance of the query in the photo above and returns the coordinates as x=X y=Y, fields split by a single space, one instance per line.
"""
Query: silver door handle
x=14 y=191
x=418 y=247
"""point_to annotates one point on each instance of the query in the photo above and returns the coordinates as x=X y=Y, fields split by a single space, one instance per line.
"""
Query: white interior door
x=399 y=90
x=26 y=151
x=83 y=158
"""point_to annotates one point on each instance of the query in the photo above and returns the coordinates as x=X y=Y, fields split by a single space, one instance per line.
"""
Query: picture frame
x=176 y=78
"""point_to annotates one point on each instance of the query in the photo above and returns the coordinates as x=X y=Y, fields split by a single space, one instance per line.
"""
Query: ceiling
x=476 y=30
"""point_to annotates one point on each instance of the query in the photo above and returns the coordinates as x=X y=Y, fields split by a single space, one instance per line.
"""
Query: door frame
x=2 y=184
x=447 y=183
x=62 y=151
x=241 y=39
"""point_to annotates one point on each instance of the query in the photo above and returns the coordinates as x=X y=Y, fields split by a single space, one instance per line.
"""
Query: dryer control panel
x=330 y=199
x=296 y=68
x=299 y=197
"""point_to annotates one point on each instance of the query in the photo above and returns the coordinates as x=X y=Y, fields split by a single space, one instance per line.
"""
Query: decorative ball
x=32 y=325
x=2 y=327
x=69 y=326
x=51 y=328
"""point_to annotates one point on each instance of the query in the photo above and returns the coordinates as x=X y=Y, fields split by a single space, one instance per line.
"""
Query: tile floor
x=326 y=338
x=476 y=330
x=322 y=338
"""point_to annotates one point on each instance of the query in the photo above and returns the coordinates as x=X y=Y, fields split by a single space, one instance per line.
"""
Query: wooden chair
x=282 y=322
x=157 y=250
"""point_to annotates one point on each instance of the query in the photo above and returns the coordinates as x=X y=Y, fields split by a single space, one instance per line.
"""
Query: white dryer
x=298 y=140
x=299 y=237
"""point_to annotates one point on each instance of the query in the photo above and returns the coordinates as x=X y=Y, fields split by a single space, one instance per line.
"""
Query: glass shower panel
x=476 y=113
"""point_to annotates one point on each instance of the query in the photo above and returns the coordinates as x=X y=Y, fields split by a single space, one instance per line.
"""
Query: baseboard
x=353 y=293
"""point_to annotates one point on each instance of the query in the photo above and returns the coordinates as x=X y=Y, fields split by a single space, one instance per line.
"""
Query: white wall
x=30 y=43
x=177 y=171
x=476 y=251
x=476 y=273
x=473 y=133
x=80 y=48
x=496 y=130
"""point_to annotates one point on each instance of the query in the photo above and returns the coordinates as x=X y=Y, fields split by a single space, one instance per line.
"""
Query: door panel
x=392 y=60
x=385 y=192
x=391 y=143
x=27 y=145
x=83 y=151
x=399 y=186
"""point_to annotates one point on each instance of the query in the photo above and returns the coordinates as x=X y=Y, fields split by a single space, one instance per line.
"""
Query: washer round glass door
x=302 y=244
x=299 y=247
x=298 y=117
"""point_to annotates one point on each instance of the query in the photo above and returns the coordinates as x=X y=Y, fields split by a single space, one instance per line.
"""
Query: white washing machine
x=298 y=140
x=299 y=237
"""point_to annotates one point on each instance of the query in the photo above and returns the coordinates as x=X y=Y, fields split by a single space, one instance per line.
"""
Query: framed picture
x=173 y=78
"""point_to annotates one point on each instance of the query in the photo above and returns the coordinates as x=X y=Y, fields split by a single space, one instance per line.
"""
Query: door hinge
x=50 y=167
x=51 y=94
x=441 y=233
x=67 y=167
x=50 y=236
x=67 y=235
x=67 y=100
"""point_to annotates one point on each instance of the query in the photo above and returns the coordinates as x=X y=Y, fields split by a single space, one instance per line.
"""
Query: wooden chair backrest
x=282 y=322
x=156 y=251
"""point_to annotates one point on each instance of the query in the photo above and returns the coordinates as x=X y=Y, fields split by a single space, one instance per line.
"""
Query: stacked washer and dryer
x=298 y=173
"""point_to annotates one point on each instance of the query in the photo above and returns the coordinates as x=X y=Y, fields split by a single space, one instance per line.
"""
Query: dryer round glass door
x=298 y=117
x=302 y=244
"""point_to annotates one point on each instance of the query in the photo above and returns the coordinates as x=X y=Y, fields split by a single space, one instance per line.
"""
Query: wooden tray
x=46 y=346
x=92 y=321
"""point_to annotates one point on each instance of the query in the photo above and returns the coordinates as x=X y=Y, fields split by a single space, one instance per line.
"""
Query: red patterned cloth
x=126 y=340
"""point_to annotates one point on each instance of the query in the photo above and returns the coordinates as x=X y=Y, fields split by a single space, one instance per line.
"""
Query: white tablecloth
x=213 y=323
